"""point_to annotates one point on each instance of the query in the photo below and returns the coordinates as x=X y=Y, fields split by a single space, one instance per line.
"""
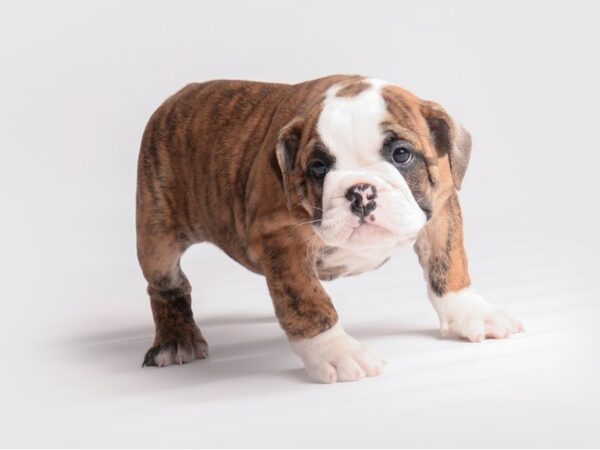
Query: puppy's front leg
x=308 y=317
x=461 y=310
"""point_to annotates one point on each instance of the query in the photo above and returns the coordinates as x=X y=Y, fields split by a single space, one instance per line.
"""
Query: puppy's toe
x=516 y=326
x=322 y=372
x=497 y=327
x=348 y=369
x=471 y=328
x=371 y=362
x=175 y=352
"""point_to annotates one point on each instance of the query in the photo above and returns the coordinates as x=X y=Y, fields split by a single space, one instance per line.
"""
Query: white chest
x=344 y=261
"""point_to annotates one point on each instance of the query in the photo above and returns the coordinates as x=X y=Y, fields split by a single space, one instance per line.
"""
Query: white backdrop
x=78 y=82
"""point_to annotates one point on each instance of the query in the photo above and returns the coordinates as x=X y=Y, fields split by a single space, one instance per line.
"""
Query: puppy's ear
x=450 y=138
x=286 y=150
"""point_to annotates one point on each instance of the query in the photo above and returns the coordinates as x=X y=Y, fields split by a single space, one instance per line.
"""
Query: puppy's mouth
x=369 y=232
x=366 y=232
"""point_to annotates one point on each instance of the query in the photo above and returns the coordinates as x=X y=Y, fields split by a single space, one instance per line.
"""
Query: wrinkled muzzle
x=364 y=210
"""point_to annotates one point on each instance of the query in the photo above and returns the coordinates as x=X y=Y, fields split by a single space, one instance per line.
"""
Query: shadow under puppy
x=302 y=183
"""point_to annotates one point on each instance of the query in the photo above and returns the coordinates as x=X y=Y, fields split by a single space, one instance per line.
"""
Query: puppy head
x=367 y=161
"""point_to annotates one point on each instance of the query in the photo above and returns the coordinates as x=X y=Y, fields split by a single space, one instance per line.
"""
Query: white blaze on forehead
x=351 y=126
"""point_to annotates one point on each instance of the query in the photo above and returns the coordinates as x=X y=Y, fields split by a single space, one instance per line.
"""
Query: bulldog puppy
x=302 y=183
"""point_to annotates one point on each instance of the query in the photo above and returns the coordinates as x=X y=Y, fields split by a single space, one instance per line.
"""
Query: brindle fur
x=209 y=171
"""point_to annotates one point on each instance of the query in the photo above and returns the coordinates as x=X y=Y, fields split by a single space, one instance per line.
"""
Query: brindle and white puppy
x=304 y=182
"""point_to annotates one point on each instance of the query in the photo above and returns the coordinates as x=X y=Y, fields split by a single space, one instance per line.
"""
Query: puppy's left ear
x=286 y=150
x=450 y=138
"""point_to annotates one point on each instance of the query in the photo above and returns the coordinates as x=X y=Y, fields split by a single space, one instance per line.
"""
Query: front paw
x=335 y=356
x=465 y=314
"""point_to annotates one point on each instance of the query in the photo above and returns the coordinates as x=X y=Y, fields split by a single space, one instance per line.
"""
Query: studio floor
x=85 y=386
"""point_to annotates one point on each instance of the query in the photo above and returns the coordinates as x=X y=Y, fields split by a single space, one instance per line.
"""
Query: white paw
x=466 y=314
x=335 y=356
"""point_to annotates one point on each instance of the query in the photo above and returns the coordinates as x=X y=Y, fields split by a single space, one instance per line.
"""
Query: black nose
x=362 y=199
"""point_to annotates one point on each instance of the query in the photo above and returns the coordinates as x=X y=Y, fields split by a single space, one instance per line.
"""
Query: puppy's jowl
x=302 y=183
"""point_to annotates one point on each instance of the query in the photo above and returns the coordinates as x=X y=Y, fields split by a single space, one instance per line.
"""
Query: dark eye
x=318 y=169
x=401 y=152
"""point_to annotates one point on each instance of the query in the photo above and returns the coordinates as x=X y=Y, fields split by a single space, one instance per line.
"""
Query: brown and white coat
x=302 y=183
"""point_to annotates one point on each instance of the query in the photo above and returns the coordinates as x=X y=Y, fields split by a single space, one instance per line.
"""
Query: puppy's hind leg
x=178 y=339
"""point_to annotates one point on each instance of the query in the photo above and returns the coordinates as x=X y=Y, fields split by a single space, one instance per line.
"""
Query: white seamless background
x=79 y=80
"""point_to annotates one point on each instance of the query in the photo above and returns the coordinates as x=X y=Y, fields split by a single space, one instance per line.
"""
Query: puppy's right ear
x=286 y=150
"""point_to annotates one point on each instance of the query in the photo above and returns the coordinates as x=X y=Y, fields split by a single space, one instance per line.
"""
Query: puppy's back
x=195 y=156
